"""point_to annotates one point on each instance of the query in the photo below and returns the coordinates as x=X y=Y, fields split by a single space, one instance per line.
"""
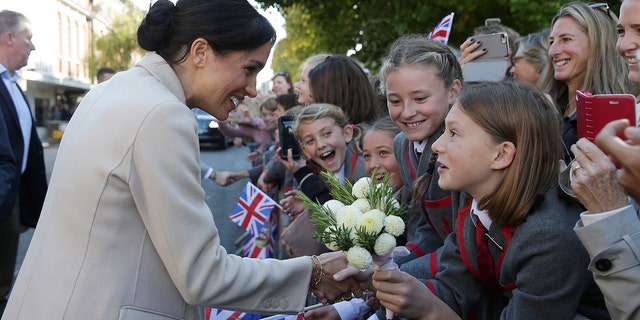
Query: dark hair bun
x=155 y=29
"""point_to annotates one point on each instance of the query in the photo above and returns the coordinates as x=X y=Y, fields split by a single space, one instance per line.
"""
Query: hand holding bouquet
x=362 y=219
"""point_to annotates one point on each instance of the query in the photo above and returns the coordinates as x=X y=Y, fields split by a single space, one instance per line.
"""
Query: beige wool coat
x=125 y=232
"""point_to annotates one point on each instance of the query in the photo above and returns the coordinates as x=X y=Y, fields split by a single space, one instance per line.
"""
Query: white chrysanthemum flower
x=333 y=205
x=394 y=225
x=360 y=189
x=373 y=221
x=363 y=204
x=359 y=257
x=384 y=244
x=379 y=213
x=349 y=217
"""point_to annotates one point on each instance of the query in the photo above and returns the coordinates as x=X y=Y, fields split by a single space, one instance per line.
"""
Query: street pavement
x=221 y=200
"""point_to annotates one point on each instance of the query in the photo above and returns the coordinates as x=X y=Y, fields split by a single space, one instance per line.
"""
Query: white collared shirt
x=339 y=174
x=482 y=215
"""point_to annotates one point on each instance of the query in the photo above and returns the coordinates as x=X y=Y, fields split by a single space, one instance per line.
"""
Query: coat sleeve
x=613 y=244
x=165 y=185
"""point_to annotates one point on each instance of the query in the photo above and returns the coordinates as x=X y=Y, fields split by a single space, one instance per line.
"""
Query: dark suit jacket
x=32 y=184
x=7 y=163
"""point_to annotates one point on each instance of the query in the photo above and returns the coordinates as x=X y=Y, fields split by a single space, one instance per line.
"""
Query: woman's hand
x=467 y=52
x=593 y=179
x=329 y=289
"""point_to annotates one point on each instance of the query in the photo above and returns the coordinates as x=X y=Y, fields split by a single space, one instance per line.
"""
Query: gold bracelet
x=213 y=175
x=316 y=273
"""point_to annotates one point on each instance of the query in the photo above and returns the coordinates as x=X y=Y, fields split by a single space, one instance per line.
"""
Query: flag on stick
x=442 y=30
x=253 y=209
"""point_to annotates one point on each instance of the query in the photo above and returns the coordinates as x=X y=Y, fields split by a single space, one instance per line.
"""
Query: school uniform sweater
x=540 y=267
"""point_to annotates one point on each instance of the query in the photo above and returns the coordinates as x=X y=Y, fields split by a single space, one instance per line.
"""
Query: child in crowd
x=421 y=79
x=514 y=254
x=377 y=151
x=325 y=136
x=302 y=86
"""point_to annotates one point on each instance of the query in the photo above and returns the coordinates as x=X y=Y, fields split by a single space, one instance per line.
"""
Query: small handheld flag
x=442 y=30
x=253 y=209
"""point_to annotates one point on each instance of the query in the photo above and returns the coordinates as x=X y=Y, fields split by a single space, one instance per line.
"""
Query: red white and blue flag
x=442 y=30
x=219 y=314
x=253 y=209
x=261 y=246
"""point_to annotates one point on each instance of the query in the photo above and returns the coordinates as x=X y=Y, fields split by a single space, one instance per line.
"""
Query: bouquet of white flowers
x=363 y=219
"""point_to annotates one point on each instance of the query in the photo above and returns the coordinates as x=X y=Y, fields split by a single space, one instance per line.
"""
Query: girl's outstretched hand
x=409 y=297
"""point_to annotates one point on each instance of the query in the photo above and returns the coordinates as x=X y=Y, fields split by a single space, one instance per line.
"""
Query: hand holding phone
x=594 y=111
x=491 y=66
x=288 y=139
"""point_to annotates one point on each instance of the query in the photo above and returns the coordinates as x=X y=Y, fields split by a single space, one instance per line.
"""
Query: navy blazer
x=32 y=184
x=7 y=162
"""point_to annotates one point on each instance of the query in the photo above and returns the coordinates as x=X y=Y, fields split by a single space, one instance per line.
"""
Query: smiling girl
x=325 y=135
x=421 y=79
x=377 y=151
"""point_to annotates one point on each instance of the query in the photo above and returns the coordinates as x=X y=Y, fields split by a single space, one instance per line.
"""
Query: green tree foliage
x=338 y=26
x=115 y=48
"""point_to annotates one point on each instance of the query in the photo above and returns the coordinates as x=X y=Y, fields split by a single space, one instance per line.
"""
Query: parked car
x=209 y=133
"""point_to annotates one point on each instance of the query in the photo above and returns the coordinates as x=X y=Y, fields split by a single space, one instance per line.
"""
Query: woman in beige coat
x=125 y=232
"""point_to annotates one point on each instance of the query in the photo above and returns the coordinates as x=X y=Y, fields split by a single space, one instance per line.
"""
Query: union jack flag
x=253 y=209
x=219 y=314
x=261 y=246
x=442 y=30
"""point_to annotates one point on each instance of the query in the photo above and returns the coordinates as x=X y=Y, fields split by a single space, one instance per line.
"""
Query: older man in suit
x=21 y=207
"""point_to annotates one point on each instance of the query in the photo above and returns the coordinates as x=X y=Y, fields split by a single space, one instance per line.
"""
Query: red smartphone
x=594 y=111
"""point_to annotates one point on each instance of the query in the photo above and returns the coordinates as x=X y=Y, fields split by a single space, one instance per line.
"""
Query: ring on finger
x=574 y=169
